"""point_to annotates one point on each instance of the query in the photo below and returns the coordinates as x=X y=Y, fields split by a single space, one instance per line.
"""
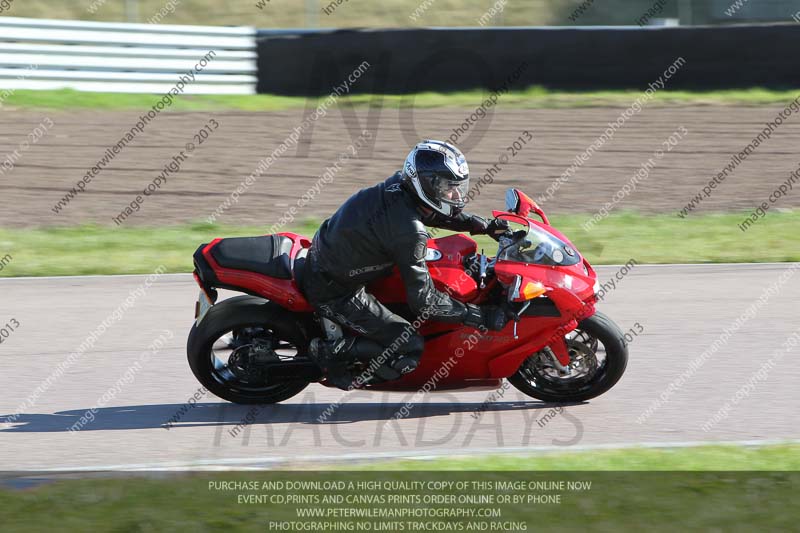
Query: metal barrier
x=410 y=61
x=131 y=58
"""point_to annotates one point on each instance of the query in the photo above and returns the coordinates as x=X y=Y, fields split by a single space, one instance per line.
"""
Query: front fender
x=538 y=332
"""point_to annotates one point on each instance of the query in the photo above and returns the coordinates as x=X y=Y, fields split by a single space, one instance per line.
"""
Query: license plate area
x=202 y=306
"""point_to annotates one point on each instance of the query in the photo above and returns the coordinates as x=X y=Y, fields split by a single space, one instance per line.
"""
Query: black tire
x=236 y=313
x=606 y=376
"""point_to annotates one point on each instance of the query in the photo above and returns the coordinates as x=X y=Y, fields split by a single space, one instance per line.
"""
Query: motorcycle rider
x=376 y=229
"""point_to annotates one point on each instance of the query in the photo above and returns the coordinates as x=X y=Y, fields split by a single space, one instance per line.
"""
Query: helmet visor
x=453 y=192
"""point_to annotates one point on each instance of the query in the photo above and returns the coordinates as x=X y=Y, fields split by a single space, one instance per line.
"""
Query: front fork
x=560 y=353
x=558 y=348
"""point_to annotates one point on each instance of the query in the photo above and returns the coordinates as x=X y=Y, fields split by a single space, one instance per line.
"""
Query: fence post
x=132 y=10
x=312 y=13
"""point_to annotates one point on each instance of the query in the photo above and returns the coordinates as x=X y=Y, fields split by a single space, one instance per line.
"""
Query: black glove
x=478 y=225
x=494 y=317
x=496 y=228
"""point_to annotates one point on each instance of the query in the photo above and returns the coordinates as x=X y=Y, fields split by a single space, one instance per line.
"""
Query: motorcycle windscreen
x=541 y=248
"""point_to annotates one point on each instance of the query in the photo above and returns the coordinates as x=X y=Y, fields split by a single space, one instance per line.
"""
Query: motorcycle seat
x=268 y=255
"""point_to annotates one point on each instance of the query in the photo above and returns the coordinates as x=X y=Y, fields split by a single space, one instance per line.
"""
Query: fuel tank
x=445 y=259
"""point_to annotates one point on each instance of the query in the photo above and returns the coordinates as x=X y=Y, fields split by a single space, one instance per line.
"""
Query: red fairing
x=457 y=356
x=445 y=261
x=284 y=292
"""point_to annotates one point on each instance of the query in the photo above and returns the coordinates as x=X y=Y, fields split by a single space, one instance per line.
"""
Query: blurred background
x=480 y=73
x=132 y=131
x=396 y=13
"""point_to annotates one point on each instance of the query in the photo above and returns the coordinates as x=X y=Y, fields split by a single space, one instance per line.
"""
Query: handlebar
x=515 y=237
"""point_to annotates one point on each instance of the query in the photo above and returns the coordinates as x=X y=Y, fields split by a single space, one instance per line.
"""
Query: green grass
x=533 y=97
x=711 y=238
x=308 y=13
x=665 y=491
x=701 y=458
x=67 y=99
x=91 y=249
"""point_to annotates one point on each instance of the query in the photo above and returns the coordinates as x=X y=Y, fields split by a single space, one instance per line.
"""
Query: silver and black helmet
x=439 y=176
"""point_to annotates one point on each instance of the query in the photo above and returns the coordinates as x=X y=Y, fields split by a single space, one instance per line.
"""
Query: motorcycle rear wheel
x=218 y=349
x=598 y=332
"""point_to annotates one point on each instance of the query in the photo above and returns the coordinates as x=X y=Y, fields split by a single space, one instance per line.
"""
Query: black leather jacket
x=376 y=229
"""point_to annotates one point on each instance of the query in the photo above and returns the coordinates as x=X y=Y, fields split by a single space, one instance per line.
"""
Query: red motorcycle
x=253 y=348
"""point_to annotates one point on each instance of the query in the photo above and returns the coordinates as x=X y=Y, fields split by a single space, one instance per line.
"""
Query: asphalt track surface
x=681 y=308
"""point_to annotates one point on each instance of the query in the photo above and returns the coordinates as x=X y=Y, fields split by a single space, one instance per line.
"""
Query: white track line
x=266 y=462
x=638 y=265
x=96 y=276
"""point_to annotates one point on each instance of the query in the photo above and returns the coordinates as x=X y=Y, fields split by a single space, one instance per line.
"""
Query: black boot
x=382 y=366
x=329 y=357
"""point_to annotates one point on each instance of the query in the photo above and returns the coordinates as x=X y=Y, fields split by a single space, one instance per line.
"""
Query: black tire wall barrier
x=408 y=61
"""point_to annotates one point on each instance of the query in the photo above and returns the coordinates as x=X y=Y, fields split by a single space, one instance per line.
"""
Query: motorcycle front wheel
x=598 y=357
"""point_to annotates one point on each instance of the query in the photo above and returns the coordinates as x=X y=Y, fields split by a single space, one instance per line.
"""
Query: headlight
x=596 y=286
